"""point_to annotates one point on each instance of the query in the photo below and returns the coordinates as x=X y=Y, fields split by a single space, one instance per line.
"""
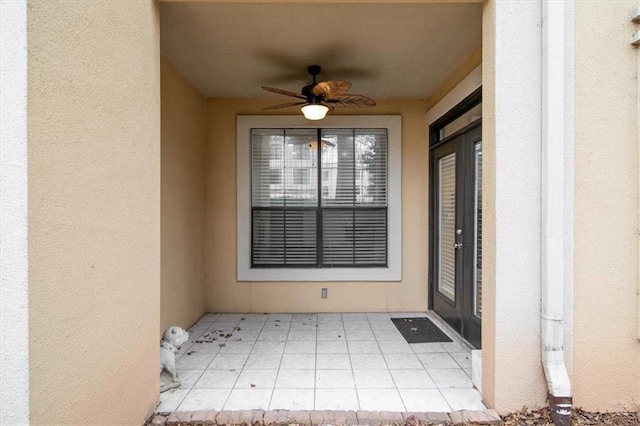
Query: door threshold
x=449 y=331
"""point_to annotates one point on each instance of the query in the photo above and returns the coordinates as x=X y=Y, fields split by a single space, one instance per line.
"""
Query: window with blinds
x=319 y=198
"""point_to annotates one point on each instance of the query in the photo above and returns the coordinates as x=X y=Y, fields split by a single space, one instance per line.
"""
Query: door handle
x=457 y=246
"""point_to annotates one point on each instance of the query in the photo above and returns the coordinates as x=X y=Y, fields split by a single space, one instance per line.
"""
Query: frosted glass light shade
x=314 y=111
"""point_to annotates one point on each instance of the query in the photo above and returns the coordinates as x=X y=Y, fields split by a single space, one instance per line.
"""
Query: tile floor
x=349 y=361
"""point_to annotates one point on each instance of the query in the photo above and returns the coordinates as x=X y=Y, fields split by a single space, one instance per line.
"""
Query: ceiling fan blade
x=331 y=88
x=287 y=105
x=283 y=92
x=351 y=100
x=326 y=142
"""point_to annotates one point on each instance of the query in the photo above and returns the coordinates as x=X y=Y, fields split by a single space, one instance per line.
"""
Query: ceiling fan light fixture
x=314 y=111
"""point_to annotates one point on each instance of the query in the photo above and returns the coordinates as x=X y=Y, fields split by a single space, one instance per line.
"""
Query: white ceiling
x=401 y=50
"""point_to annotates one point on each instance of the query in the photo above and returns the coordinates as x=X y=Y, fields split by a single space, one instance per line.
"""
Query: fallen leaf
x=252 y=385
x=222 y=345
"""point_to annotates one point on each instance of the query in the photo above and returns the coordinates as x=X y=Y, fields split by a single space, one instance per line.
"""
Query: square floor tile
x=412 y=379
x=330 y=336
x=280 y=317
x=395 y=347
x=298 y=361
x=383 y=325
x=380 y=400
x=230 y=317
x=402 y=361
x=268 y=347
x=360 y=335
x=276 y=326
x=329 y=317
x=195 y=361
x=305 y=317
x=273 y=336
x=204 y=399
x=296 y=379
x=368 y=362
x=301 y=336
x=259 y=379
x=228 y=361
x=421 y=400
x=331 y=326
x=292 y=399
x=300 y=348
x=462 y=358
x=254 y=317
x=218 y=379
x=223 y=327
x=334 y=379
x=453 y=347
x=171 y=399
x=357 y=325
x=354 y=317
x=450 y=378
x=333 y=361
x=437 y=360
x=377 y=316
x=373 y=379
x=423 y=348
x=210 y=348
x=188 y=378
x=332 y=347
x=303 y=325
x=336 y=399
x=393 y=336
x=249 y=399
x=463 y=399
x=363 y=347
x=236 y=348
x=266 y=361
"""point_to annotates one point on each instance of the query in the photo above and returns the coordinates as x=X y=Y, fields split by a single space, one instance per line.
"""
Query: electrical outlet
x=323 y=293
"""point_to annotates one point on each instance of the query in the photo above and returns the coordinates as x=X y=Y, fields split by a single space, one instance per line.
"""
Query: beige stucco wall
x=225 y=293
x=606 y=352
x=183 y=198
x=94 y=211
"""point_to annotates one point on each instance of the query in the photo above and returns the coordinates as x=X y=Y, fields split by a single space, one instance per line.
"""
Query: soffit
x=402 y=50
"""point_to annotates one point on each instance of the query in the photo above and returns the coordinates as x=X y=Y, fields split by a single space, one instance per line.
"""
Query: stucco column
x=94 y=210
x=512 y=86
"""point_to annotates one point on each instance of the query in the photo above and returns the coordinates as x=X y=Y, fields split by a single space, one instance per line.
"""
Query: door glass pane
x=477 y=257
x=447 y=225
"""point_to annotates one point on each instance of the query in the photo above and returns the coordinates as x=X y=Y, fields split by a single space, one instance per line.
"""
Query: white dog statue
x=172 y=339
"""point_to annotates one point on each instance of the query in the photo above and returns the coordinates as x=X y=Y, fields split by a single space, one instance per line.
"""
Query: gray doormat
x=420 y=330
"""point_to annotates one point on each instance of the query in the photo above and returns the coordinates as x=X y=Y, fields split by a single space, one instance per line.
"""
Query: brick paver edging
x=351 y=418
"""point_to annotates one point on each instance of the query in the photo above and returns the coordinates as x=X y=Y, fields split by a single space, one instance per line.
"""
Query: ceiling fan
x=321 y=96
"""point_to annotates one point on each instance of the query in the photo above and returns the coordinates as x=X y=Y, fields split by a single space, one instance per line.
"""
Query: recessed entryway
x=334 y=361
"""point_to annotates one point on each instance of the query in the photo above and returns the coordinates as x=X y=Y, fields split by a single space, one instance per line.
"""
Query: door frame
x=435 y=141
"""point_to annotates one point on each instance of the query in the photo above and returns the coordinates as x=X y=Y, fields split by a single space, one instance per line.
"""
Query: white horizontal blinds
x=447 y=225
x=268 y=237
x=371 y=167
x=267 y=167
x=354 y=197
x=300 y=168
x=478 y=216
x=284 y=197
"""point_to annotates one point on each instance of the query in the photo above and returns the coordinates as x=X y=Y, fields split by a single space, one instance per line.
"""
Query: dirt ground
x=579 y=418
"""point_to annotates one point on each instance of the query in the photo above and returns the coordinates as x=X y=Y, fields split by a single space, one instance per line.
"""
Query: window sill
x=327 y=274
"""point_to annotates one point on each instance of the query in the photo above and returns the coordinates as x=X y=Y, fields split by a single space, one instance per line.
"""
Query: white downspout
x=553 y=111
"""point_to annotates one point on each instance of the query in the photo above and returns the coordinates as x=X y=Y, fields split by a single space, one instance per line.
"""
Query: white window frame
x=393 y=270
